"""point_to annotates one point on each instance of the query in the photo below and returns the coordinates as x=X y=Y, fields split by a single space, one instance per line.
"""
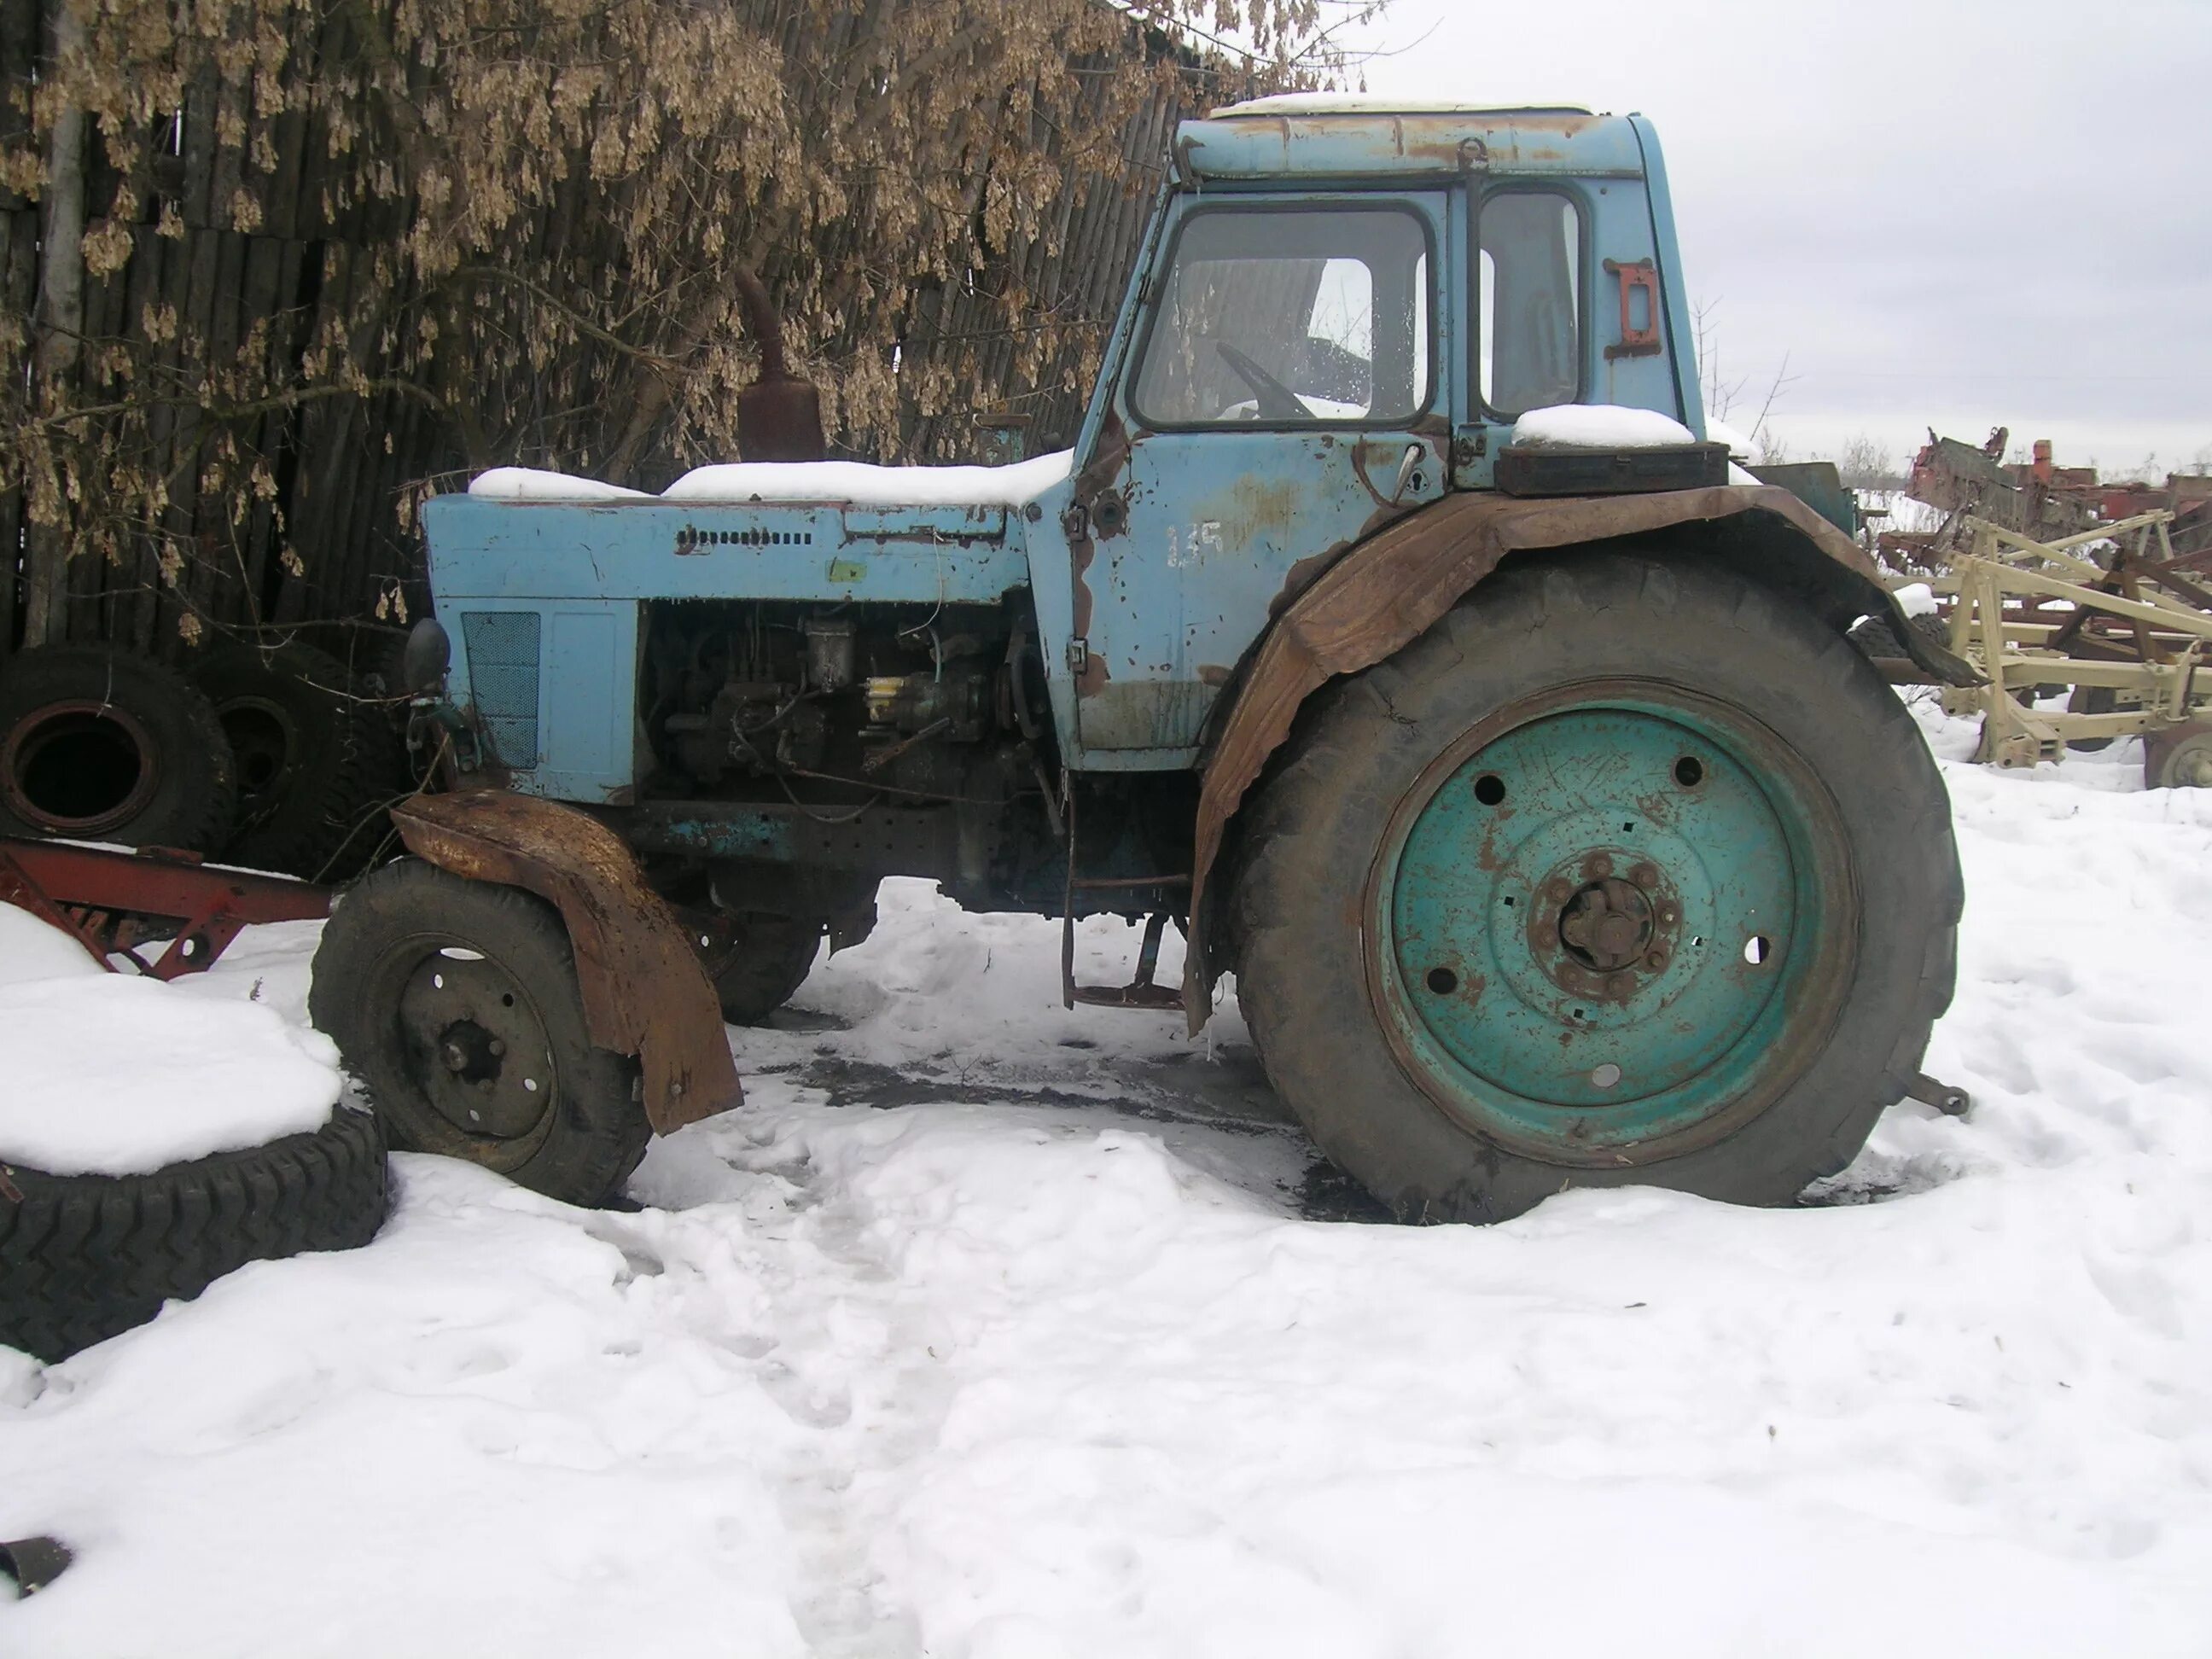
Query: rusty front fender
x=1385 y=592
x=644 y=991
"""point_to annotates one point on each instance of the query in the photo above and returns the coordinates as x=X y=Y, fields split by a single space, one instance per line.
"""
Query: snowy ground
x=990 y=1330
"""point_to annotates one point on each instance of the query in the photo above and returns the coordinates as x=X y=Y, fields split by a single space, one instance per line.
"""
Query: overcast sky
x=1956 y=213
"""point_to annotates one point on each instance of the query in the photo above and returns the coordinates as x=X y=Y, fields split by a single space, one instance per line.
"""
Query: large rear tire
x=1626 y=872
x=456 y=1004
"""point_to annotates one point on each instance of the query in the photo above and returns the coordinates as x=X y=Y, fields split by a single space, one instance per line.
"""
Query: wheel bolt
x=1559 y=892
x=1644 y=876
x=1657 y=959
x=1599 y=867
x=498 y=1046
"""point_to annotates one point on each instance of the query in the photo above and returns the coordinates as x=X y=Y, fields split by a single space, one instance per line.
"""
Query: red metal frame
x=113 y=901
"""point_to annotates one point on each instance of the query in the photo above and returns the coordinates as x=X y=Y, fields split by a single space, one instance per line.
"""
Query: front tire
x=1626 y=872
x=456 y=1004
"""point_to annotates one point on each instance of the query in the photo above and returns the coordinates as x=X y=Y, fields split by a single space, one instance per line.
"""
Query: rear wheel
x=1624 y=873
x=758 y=962
x=456 y=1004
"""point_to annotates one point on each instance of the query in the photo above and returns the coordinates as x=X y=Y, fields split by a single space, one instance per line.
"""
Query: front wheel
x=456 y=1004
x=1625 y=872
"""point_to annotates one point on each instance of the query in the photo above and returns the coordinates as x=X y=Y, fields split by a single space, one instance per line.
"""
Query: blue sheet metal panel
x=487 y=549
x=1619 y=217
x=553 y=688
x=1218 y=517
x=1681 y=337
x=1533 y=142
x=1216 y=521
x=590 y=675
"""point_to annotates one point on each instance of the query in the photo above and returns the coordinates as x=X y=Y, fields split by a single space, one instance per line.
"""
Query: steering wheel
x=1277 y=401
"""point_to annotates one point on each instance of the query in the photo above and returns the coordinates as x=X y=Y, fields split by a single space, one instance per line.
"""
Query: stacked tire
x=316 y=759
x=266 y=757
x=99 y=745
x=85 y=1257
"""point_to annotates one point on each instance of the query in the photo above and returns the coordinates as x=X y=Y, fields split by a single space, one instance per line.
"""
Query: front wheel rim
x=1611 y=924
x=469 y=1046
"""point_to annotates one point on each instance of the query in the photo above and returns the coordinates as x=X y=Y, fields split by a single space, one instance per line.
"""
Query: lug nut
x=498 y=1046
x=1644 y=876
x=1558 y=892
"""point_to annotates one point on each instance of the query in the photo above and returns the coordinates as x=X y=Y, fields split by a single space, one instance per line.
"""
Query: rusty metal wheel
x=1614 y=918
x=1625 y=872
x=455 y=1002
x=2178 y=757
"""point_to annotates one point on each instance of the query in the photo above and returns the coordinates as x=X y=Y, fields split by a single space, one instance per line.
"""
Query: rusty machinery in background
x=2048 y=578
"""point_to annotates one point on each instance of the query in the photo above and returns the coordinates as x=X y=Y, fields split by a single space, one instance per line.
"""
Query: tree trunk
x=60 y=327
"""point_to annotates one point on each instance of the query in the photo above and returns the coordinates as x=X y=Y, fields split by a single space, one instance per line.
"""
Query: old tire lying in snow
x=83 y=1257
x=97 y=744
x=456 y=1004
x=1625 y=872
x=313 y=759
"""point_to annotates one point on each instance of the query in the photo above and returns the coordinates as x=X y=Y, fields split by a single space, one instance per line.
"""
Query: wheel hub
x=478 y=1050
x=1607 y=925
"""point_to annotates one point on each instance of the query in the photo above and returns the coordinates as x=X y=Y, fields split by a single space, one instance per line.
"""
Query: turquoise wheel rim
x=1612 y=924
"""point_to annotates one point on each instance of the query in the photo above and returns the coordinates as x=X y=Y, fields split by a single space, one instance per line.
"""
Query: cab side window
x=1291 y=318
x=1529 y=301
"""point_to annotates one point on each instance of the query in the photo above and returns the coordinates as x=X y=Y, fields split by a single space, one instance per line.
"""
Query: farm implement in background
x=2049 y=579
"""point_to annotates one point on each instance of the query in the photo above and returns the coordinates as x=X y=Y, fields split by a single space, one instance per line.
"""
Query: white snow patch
x=1375 y=103
x=33 y=950
x=1737 y=475
x=860 y=484
x=1915 y=598
x=855 y=483
x=1742 y=446
x=1599 y=426
x=1042 y=1363
x=118 y=1074
x=528 y=484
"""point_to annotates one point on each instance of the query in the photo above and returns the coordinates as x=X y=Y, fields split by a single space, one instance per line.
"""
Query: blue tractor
x=1517 y=765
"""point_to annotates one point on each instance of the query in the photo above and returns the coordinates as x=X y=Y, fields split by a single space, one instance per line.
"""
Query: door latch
x=1409 y=476
x=1078 y=656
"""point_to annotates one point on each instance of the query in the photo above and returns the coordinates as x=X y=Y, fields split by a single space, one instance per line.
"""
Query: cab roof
x=1339 y=135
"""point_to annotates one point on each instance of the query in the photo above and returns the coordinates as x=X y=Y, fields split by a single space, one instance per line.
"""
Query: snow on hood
x=528 y=484
x=855 y=483
x=1599 y=426
x=119 y=1074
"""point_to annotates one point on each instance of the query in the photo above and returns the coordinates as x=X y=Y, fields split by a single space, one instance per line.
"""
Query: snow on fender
x=151 y=1141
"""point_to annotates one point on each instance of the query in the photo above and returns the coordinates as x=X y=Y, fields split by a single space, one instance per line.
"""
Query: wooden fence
x=343 y=470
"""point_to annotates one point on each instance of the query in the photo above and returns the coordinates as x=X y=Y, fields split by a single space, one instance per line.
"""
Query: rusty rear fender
x=1384 y=593
x=644 y=991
